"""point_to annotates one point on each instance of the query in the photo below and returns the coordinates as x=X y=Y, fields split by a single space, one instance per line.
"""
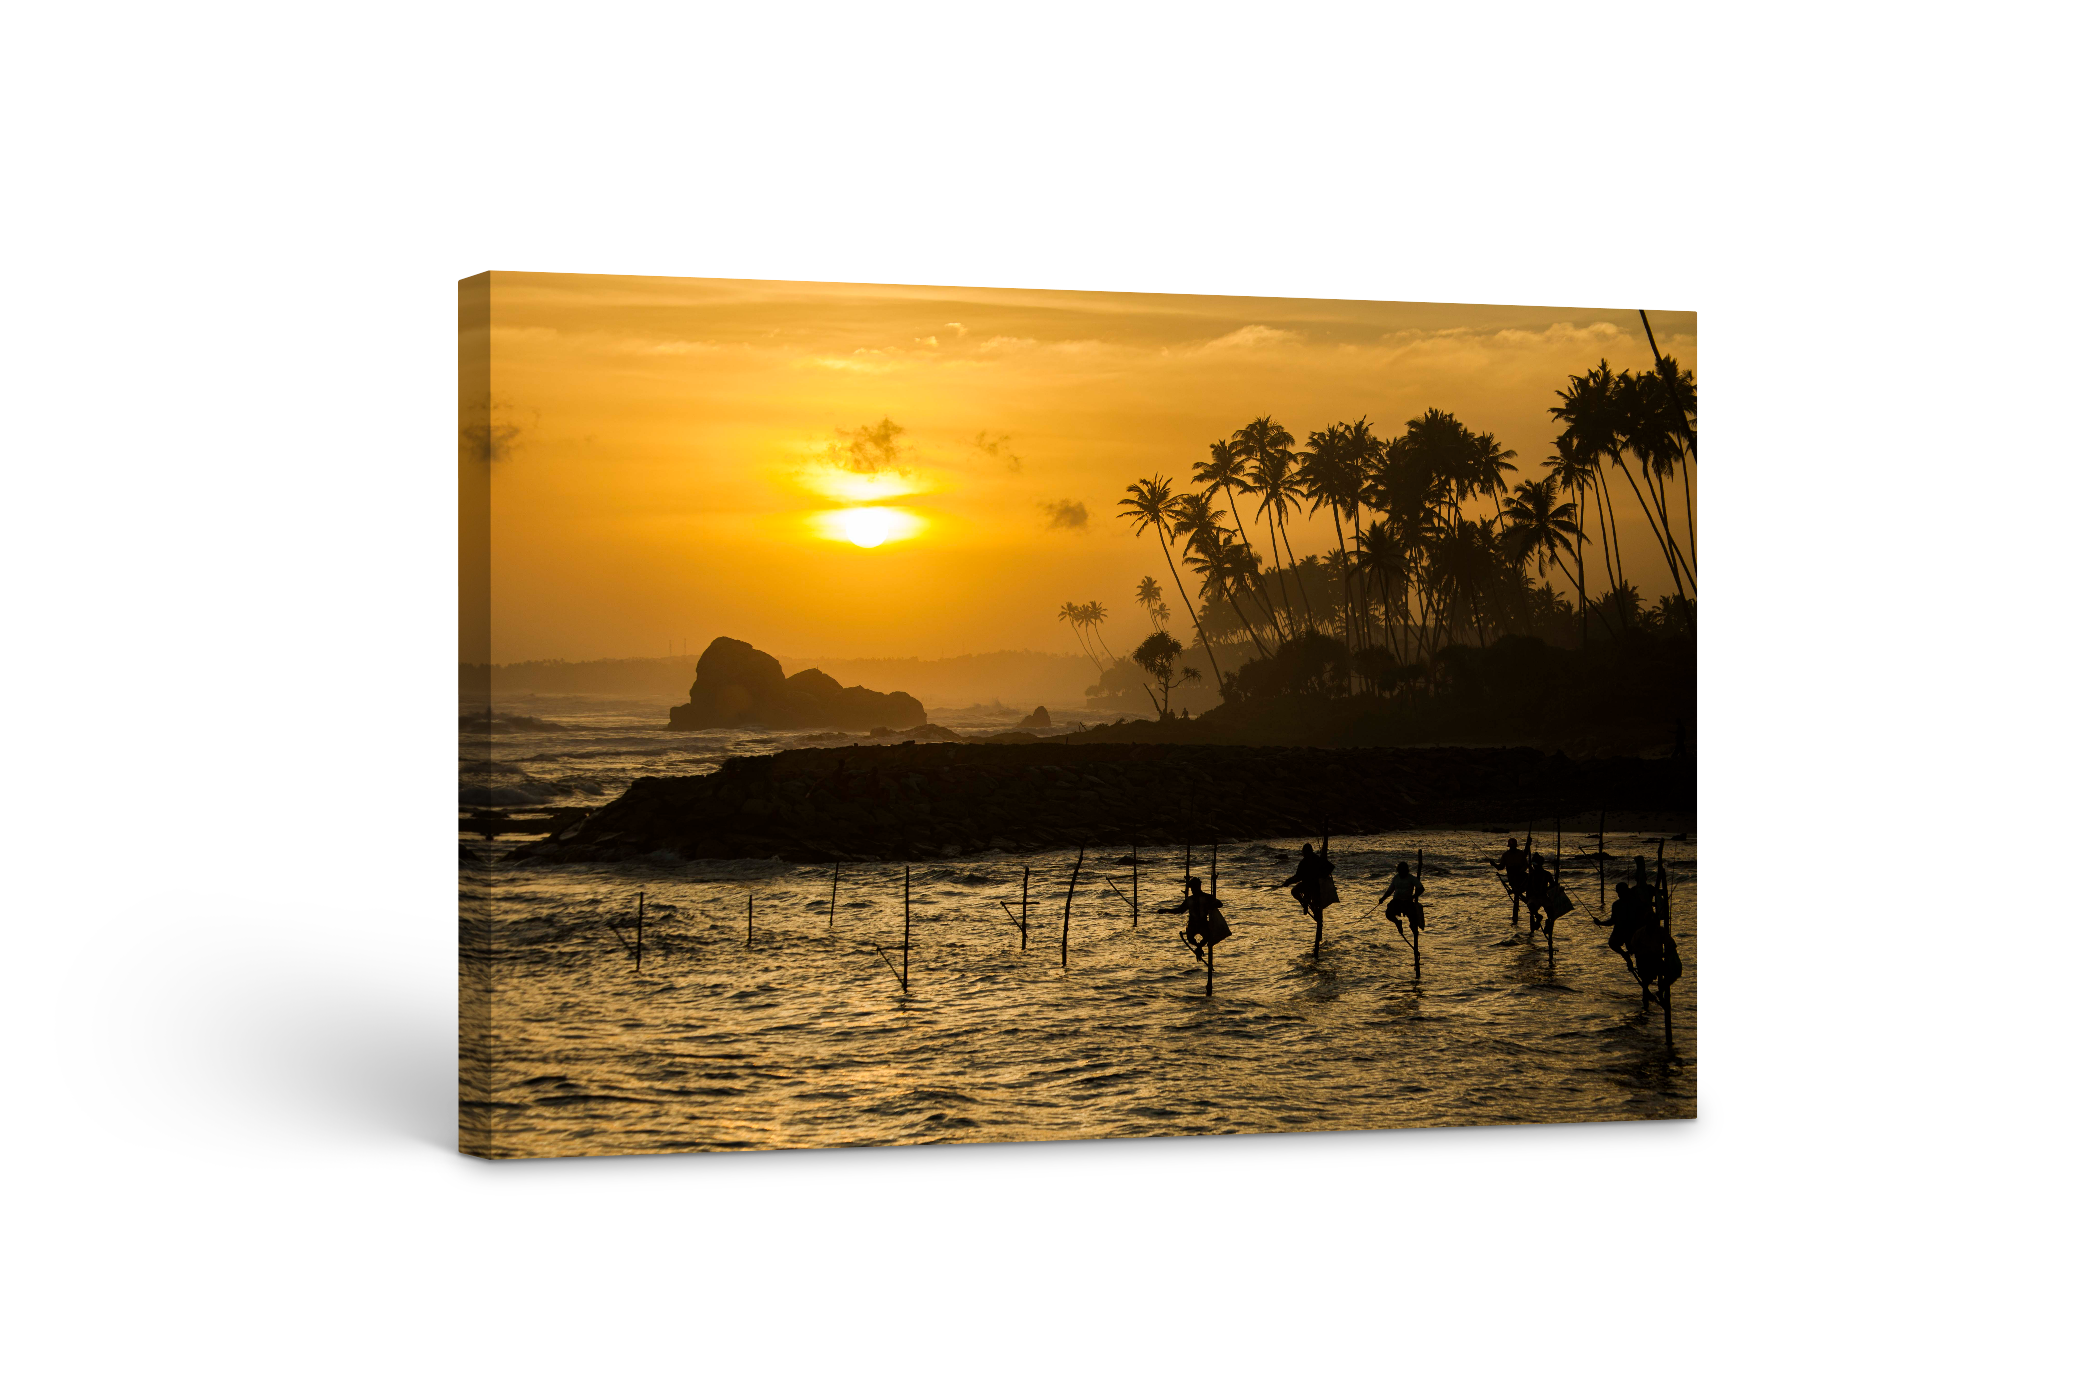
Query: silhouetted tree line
x=1418 y=578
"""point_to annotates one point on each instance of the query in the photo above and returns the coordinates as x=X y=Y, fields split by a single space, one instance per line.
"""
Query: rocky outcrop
x=737 y=684
x=912 y=801
x=1039 y=720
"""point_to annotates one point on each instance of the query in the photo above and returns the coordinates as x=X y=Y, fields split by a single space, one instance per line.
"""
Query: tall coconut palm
x=1265 y=449
x=1485 y=463
x=1074 y=616
x=1212 y=557
x=1331 y=474
x=1363 y=451
x=1465 y=559
x=1536 y=528
x=1213 y=551
x=1224 y=470
x=1686 y=397
x=1247 y=569
x=1151 y=504
x=1655 y=433
x=1591 y=412
x=1149 y=598
x=1577 y=479
x=1381 y=555
x=1091 y=616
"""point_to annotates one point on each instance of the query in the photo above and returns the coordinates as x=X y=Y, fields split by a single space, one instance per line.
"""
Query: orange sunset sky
x=673 y=457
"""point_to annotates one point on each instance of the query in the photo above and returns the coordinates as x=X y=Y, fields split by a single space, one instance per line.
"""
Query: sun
x=867 y=526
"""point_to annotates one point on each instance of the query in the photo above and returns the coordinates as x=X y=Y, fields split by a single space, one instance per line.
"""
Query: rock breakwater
x=918 y=800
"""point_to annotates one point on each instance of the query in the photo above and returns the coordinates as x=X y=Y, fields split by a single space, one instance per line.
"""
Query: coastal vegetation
x=1439 y=555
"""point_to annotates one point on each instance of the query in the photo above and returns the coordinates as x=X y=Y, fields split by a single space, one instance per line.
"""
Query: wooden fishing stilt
x=1133 y=888
x=1064 y=939
x=1601 y=902
x=1024 y=908
x=831 y=918
x=1415 y=940
x=1320 y=911
x=637 y=930
x=1210 y=967
x=907 y=928
x=1550 y=915
x=1662 y=990
x=750 y=924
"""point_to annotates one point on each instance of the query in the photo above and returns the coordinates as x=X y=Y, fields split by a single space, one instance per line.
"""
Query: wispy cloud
x=1251 y=338
x=868 y=449
x=1064 y=515
x=997 y=450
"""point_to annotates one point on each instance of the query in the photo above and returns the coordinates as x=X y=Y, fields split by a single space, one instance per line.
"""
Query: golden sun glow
x=841 y=485
x=867 y=526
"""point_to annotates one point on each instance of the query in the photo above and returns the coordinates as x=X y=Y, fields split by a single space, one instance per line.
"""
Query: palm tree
x=1246 y=569
x=1074 y=615
x=1684 y=397
x=1224 y=471
x=1464 y=559
x=1486 y=462
x=1213 y=551
x=1654 y=433
x=1536 y=528
x=1213 y=563
x=1091 y=616
x=1265 y=448
x=1331 y=473
x=1590 y=410
x=1381 y=555
x=1577 y=480
x=1150 y=503
x=1148 y=597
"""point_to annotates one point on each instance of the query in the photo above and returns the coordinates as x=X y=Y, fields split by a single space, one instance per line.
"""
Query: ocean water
x=763 y=1013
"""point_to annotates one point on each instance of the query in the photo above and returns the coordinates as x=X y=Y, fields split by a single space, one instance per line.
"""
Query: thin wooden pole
x=1210 y=951
x=748 y=918
x=1600 y=859
x=1416 y=941
x=637 y=930
x=1662 y=990
x=1320 y=911
x=1133 y=887
x=907 y=928
x=1064 y=939
x=1024 y=908
x=831 y=918
x=1550 y=915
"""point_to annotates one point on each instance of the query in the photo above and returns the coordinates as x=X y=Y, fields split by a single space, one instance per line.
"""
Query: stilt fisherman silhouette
x=1206 y=921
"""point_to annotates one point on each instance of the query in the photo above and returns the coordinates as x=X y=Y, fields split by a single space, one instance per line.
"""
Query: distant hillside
x=1023 y=679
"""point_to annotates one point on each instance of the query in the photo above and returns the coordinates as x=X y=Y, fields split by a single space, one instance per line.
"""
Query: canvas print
x=905 y=715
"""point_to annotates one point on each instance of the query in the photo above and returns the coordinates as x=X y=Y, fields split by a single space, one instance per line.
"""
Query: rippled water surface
x=761 y=1016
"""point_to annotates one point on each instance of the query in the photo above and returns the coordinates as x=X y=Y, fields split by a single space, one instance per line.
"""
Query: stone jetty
x=913 y=801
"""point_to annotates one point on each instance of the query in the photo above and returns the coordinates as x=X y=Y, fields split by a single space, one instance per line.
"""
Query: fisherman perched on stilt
x=1511 y=864
x=1402 y=897
x=1206 y=923
x=1619 y=921
x=1638 y=934
x=1537 y=890
x=1312 y=883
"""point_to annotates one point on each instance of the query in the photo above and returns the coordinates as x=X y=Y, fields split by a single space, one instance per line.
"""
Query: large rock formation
x=737 y=684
